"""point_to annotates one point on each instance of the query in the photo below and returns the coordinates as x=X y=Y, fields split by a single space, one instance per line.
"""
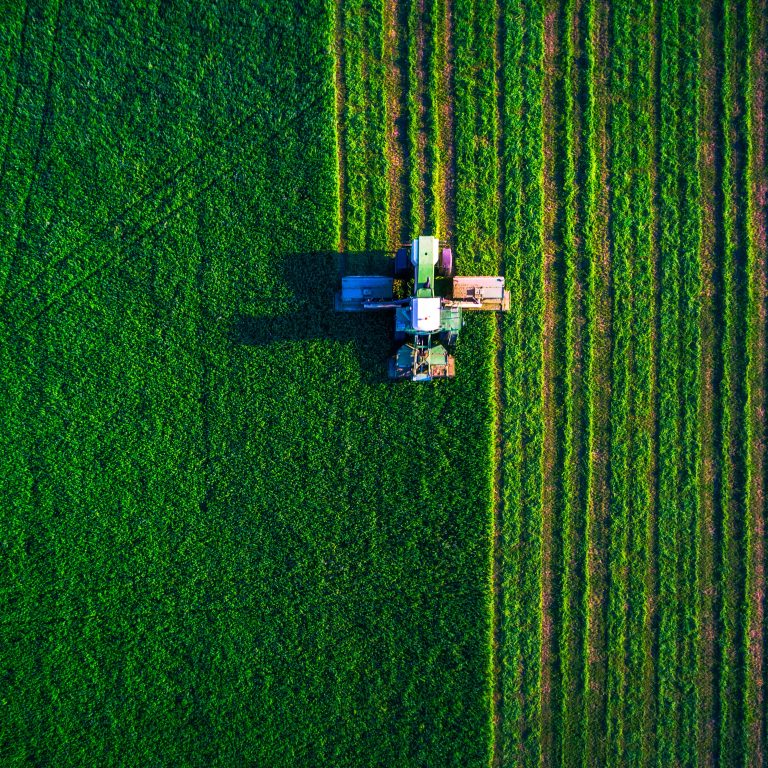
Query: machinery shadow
x=308 y=313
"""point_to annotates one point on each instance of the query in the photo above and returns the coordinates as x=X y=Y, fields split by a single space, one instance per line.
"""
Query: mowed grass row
x=734 y=396
x=691 y=383
x=522 y=415
x=669 y=543
x=363 y=125
x=622 y=236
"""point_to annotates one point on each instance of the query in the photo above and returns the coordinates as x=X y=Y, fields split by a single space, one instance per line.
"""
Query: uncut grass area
x=226 y=539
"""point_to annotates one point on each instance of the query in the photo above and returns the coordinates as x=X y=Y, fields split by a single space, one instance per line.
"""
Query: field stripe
x=397 y=159
x=354 y=119
x=669 y=409
x=433 y=165
x=709 y=169
x=446 y=213
x=590 y=255
x=568 y=348
x=755 y=691
x=415 y=201
x=734 y=388
x=690 y=308
x=549 y=542
x=522 y=418
x=750 y=724
x=601 y=351
x=640 y=522
x=378 y=208
x=622 y=269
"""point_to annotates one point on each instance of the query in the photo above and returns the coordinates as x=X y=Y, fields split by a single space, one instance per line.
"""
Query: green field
x=228 y=540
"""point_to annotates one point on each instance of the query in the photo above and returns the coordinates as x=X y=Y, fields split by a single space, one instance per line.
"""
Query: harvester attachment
x=364 y=292
x=480 y=293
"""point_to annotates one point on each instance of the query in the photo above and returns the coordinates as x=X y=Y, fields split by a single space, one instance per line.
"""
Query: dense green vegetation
x=223 y=541
x=228 y=540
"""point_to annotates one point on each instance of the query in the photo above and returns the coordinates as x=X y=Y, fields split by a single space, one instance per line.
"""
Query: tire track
x=23 y=209
x=17 y=89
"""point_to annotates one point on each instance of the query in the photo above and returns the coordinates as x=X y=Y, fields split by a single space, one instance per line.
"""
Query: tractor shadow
x=312 y=280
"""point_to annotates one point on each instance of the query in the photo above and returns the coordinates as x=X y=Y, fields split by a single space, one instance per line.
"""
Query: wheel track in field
x=161 y=209
x=45 y=120
x=16 y=90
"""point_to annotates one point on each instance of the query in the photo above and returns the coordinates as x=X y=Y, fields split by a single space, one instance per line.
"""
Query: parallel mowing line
x=706 y=562
x=465 y=121
x=487 y=130
x=432 y=158
x=590 y=257
x=667 y=722
x=690 y=241
x=638 y=639
x=413 y=208
x=511 y=417
x=755 y=644
x=532 y=362
x=567 y=626
x=750 y=335
x=727 y=572
x=378 y=201
x=354 y=118
x=622 y=237
x=522 y=61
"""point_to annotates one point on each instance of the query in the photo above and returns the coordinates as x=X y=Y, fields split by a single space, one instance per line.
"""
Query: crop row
x=691 y=381
x=640 y=644
x=354 y=121
x=432 y=112
x=747 y=353
x=477 y=132
x=376 y=158
x=667 y=727
x=566 y=716
x=622 y=236
x=590 y=255
x=522 y=417
x=727 y=566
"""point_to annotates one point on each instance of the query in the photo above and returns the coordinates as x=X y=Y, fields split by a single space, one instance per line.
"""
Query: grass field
x=228 y=540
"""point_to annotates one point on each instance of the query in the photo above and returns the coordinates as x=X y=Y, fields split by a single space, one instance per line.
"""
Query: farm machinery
x=429 y=320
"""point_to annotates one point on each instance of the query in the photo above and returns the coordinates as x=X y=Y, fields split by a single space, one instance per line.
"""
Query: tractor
x=429 y=320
